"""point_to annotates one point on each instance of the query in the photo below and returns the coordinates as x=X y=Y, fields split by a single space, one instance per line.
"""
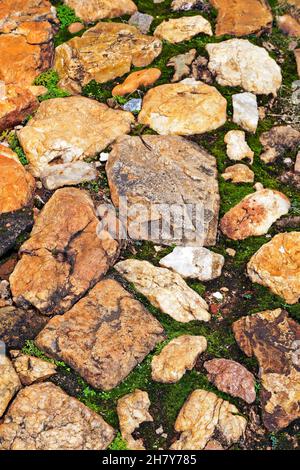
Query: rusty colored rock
x=16 y=104
x=9 y=383
x=135 y=80
x=91 y=11
x=31 y=369
x=75 y=27
x=20 y=12
x=176 y=30
x=238 y=173
x=289 y=25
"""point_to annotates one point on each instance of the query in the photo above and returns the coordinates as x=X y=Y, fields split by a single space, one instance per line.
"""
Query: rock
x=104 y=336
x=12 y=226
x=136 y=80
x=245 y=111
x=65 y=255
x=185 y=108
x=232 y=378
x=133 y=410
x=75 y=27
x=203 y=415
x=16 y=104
x=185 y=5
x=273 y=338
x=289 y=25
x=156 y=181
x=31 y=369
x=277 y=141
x=43 y=417
x=180 y=355
x=276 y=265
x=200 y=70
x=134 y=105
x=195 y=263
x=241 y=18
x=238 y=173
x=165 y=290
x=231 y=252
x=68 y=174
x=237 y=62
x=255 y=214
x=290 y=178
x=103 y=53
x=16 y=14
x=9 y=384
x=5 y=298
x=297 y=163
x=91 y=11
x=213 y=445
x=176 y=30
x=297 y=57
x=38 y=90
x=181 y=64
x=141 y=21
x=237 y=147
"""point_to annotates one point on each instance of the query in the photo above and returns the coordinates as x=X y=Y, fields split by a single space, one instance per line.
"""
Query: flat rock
x=136 y=80
x=237 y=147
x=64 y=256
x=9 y=383
x=255 y=214
x=12 y=225
x=177 y=30
x=273 y=338
x=238 y=173
x=141 y=21
x=31 y=369
x=276 y=265
x=277 y=141
x=43 y=417
x=181 y=64
x=68 y=174
x=103 y=53
x=16 y=104
x=91 y=11
x=165 y=290
x=232 y=378
x=180 y=355
x=104 y=336
x=202 y=416
x=238 y=62
x=289 y=25
x=245 y=111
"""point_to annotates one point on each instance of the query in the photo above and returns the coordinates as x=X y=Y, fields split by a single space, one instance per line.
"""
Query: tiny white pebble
x=104 y=156
x=217 y=295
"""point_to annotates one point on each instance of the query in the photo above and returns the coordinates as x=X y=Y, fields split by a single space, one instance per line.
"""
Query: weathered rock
x=43 y=417
x=177 y=30
x=65 y=255
x=238 y=62
x=297 y=57
x=5 y=295
x=203 y=415
x=297 y=163
x=194 y=262
x=50 y=135
x=213 y=445
x=289 y=25
x=16 y=104
x=103 y=53
x=68 y=174
x=135 y=80
x=200 y=70
x=141 y=21
x=31 y=369
x=232 y=378
x=165 y=290
x=245 y=111
x=9 y=383
x=133 y=410
x=255 y=214
x=181 y=64
x=12 y=225
x=277 y=265
x=75 y=27
x=185 y=5
x=277 y=141
x=91 y=11
x=154 y=183
x=15 y=14
x=238 y=173
x=293 y=2
x=273 y=338
x=237 y=147
x=177 y=357
x=104 y=336
x=185 y=108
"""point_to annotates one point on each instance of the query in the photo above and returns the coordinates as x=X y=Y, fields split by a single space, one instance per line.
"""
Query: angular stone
x=15 y=14
x=245 y=111
x=31 y=369
x=255 y=214
x=65 y=255
x=238 y=173
x=237 y=147
x=91 y=11
x=277 y=141
x=12 y=225
x=238 y=62
x=203 y=415
x=276 y=265
x=135 y=80
x=43 y=417
x=165 y=290
x=141 y=21
x=9 y=383
x=68 y=174
x=103 y=53
x=273 y=338
x=16 y=104
x=104 y=336
x=177 y=30
x=289 y=25
x=181 y=64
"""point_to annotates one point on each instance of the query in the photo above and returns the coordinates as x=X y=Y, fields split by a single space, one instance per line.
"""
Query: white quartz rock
x=245 y=111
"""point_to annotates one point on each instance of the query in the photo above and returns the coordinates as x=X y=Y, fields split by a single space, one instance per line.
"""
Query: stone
x=232 y=378
x=5 y=297
x=15 y=14
x=297 y=57
x=276 y=265
x=255 y=214
x=91 y=11
x=9 y=383
x=176 y=30
x=200 y=70
x=238 y=62
x=289 y=25
x=213 y=445
x=103 y=53
x=181 y=64
x=238 y=173
x=134 y=105
x=155 y=181
x=43 y=417
x=178 y=356
x=133 y=410
x=68 y=174
x=203 y=415
x=136 y=80
x=194 y=263
x=273 y=338
x=31 y=369
x=185 y=5
x=185 y=108
x=241 y=18
x=12 y=226
x=165 y=289
x=141 y=21
x=66 y=254
x=277 y=141
x=297 y=163
x=237 y=147
x=75 y=27
x=245 y=111
x=104 y=336
x=16 y=104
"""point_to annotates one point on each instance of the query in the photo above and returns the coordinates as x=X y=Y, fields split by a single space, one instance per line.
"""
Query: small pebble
x=217 y=295
x=231 y=252
x=104 y=157
x=75 y=27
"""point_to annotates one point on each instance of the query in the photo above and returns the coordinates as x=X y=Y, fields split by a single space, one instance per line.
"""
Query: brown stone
x=7 y=267
x=15 y=105
x=31 y=369
x=277 y=141
x=176 y=30
x=14 y=14
x=75 y=27
x=135 y=80
x=238 y=173
x=9 y=383
x=181 y=64
x=91 y=11
x=289 y=25
x=297 y=57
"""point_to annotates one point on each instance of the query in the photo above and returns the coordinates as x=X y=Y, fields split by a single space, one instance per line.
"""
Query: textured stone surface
x=9 y=383
x=135 y=80
x=16 y=104
x=289 y=25
x=238 y=173
x=68 y=174
x=43 y=417
x=141 y=21
x=237 y=147
x=181 y=64
x=31 y=369
x=94 y=10
x=245 y=111
x=177 y=30
x=278 y=140
x=273 y=338
x=185 y=5
x=15 y=14
x=297 y=57
x=12 y=225
x=277 y=265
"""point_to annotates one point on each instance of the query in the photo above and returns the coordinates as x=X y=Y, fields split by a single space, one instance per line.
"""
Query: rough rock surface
x=238 y=62
x=137 y=79
x=43 y=417
x=238 y=173
x=104 y=336
x=141 y=21
x=297 y=57
x=273 y=338
x=289 y=25
x=68 y=174
x=176 y=358
x=16 y=104
x=94 y=10
x=203 y=415
x=245 y=111
x=177 y=30
x=255 y=214
x=103 y=53
x=9 y=383
x=278 y=140
x=185 y=5
x=237 y=147
x=64 y=256
x=181 y=64
x=165 y=174
x=277 y=265
x=165 y=290
x=16 y=14
x=232 y=378
x=31 y=369
x=12 y=225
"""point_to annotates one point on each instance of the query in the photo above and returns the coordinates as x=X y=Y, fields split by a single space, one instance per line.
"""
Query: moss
x=118 y=443
x=66 y=15
x=50 y=79
x=14 y=144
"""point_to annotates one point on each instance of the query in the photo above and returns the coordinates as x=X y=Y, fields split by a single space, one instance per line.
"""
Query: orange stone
x=135 y=80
